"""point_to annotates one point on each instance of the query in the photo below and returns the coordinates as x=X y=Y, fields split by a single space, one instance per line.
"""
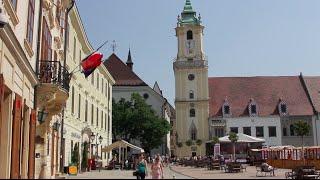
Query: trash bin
x=66 y=169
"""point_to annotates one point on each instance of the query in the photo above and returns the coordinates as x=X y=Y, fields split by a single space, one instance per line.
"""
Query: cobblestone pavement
x=122 y=174
x=250 y=173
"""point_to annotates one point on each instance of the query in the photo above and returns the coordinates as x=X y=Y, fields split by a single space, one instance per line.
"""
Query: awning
x=242 y=138
x=121 y=144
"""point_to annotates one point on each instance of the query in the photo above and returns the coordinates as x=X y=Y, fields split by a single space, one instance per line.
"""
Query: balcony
x=190 y=64
x=53 y=91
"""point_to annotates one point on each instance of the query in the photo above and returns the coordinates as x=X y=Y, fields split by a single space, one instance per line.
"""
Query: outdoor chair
x=263 y=170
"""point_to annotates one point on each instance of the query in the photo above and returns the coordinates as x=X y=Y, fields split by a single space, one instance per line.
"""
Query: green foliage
x=199 y=142
x=233 y=137
x=215 y=140
x=75 y=155
x=135 y=119
x=84 y=162
x=179 y=144
x=301 y=128
x=189 y=142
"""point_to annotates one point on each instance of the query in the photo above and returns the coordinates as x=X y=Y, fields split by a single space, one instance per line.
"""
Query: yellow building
x=89 y=107
x=191 y=84
x=18 y=50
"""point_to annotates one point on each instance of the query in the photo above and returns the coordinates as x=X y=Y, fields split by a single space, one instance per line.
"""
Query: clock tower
x=191 y=85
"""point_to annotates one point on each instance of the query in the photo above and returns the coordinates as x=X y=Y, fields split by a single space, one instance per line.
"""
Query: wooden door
x=32 y=137
x=15 y=150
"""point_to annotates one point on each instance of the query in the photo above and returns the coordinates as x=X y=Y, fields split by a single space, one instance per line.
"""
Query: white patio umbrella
x=242 y=138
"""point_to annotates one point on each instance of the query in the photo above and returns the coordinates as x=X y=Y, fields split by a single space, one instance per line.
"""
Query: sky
x=241 y=37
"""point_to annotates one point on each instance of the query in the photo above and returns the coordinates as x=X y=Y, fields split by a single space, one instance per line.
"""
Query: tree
x=302 y=129
x=233 y=137
x=215 y=140
x=136 y=120
x=75 y=155
x=84 y=162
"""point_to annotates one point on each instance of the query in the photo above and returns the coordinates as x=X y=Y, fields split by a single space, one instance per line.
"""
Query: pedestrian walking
x=142 y=168
x=157 y=169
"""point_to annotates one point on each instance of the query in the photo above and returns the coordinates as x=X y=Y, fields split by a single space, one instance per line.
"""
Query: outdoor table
x=311 y=176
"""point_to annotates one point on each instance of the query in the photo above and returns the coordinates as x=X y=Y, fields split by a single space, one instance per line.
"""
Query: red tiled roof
x=313 y=87
x=121 y=73
x=266 y=92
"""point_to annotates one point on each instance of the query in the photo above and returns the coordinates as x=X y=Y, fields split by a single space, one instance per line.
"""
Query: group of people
x=156 y=168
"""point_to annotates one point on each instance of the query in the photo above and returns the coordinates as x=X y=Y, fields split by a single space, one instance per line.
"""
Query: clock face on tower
x=189 y=46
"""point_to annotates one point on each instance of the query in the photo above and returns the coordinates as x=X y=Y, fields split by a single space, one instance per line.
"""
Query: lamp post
x=95 y=137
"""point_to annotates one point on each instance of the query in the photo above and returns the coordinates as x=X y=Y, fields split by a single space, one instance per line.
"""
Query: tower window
x=189 y=35
x=193 y=132
x=192 y=112
x=191 y=95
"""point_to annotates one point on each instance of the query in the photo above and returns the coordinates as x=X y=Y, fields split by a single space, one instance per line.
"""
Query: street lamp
x=42 y=115
x=95 y=137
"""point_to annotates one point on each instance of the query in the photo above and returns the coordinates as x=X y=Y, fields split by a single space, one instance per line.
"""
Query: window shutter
x=15 y=151
x=1 y=90
x=32 y=137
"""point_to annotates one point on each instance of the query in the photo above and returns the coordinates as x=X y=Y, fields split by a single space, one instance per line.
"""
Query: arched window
x=189 y=35
x=192 y=112
x=191 y=94
x=193 y=132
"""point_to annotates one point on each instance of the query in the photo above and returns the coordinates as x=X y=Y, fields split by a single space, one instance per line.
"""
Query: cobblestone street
x=250 y=173
x=122 y=174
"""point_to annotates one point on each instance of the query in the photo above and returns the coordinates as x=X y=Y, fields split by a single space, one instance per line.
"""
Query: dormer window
x=253 y=108
x=189 y=35
x=226 y=110
x=282 y=107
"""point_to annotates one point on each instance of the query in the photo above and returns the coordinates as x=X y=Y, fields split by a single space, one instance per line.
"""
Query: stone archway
x=85 y=146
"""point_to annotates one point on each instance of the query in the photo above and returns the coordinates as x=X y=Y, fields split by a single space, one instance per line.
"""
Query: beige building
x=89 y=107
x=53 y=90
x=18 y=37
x=191 y=84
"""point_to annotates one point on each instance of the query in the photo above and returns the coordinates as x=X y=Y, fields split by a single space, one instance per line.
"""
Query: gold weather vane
x=114 y=46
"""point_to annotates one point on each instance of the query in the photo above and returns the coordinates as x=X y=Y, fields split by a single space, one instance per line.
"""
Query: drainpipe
x=66 y=38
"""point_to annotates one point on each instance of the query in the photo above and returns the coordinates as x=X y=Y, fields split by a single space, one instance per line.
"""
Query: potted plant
x=84 y=162
x=189 y=142
x=199 y=142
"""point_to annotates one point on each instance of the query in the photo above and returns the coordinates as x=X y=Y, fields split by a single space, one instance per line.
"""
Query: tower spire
x=129 y=60
x=188 y=6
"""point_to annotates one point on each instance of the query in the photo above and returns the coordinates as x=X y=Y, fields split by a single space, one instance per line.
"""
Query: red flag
x=92 y=61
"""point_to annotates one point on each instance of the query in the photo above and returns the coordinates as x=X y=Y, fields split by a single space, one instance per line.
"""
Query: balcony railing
x=53 y=72
x=190 y=64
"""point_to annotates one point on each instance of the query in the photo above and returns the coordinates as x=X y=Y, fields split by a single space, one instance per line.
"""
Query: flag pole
x=89 y=56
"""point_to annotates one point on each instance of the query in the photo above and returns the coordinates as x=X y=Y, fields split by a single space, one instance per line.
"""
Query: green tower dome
x=188 y=15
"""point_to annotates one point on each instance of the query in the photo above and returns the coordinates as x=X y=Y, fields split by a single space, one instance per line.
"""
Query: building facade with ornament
x=206 y=107
x=88 y=112
x=18 y=50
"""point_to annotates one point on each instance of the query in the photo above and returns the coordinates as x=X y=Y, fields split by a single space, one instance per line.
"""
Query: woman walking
x=142 y=170
x=156 y=169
